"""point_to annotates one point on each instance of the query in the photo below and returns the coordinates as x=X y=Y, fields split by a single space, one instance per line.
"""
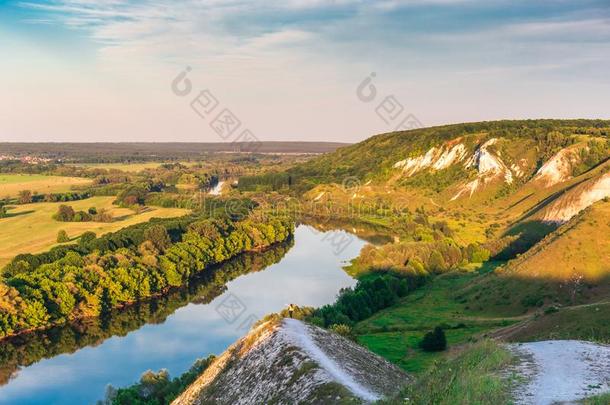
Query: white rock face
x=487 y=164
x=518 y=172
x=489 y=167
x=558 y=168
x=291 y=362
x=577 y=199
x=436 y=158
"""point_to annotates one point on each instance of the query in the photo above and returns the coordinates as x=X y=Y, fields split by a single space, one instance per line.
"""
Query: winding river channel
x=74 y=364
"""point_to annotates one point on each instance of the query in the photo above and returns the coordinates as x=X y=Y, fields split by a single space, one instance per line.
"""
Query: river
x=74 y=364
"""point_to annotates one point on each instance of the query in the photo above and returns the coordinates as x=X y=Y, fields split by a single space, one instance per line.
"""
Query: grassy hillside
x=375 y=157
x=560 y=256
x=570 y=266
x=395 y=333
x=578 y=249
x=583 y=322
x=474 y=376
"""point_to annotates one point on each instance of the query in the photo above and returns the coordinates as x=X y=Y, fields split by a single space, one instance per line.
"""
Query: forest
x=118 y=270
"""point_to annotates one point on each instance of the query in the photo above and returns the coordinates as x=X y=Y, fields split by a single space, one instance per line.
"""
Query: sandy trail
x=299 y=334
x=562 y=371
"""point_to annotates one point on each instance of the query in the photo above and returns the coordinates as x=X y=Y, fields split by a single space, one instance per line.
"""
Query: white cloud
x=289 y=67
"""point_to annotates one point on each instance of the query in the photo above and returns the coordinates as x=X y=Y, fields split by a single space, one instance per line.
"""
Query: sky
x=293 y=70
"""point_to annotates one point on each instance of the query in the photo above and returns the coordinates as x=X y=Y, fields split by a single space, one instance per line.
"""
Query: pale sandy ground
x=299 y=334
x=561 y=371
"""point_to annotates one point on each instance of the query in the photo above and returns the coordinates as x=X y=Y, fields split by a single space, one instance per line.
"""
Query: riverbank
x=78 y=286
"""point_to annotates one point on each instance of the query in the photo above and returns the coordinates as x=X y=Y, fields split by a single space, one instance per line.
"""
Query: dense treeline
x=27 y=197
x=423 y=246
x=169 y=200
x=98 y=278
x=595 y=153
x=24 y=350
x=133 y=236
x=265 y=182
x=419 y=258
x=129 y=237
x=372 y=293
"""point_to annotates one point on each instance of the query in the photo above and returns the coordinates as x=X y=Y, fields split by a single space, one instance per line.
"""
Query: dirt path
x=299 y=334
x=561 y=371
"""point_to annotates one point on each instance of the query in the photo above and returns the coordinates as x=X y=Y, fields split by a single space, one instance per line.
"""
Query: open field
x=126 y=167
x=11 y=184
x=395 y=333
x=30 y=228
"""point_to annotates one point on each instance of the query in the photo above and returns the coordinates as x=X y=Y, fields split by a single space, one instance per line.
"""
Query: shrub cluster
x=434 y=341
x=156 y=388
x=419 y=258
x=371 y=294
x=66 y=213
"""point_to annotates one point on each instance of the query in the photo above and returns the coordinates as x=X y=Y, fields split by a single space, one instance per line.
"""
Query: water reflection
x=28 y=349
x=371 y=233
x=73 y=364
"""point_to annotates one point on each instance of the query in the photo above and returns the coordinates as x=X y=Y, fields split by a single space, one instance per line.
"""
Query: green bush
x=343 y=330
x=65 y=213
x=434 y=341
x=62 y=237
x=156 y=388
x=87 y=237
x=371 y=294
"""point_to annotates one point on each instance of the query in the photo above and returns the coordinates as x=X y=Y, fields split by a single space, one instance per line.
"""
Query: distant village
x=32 y=160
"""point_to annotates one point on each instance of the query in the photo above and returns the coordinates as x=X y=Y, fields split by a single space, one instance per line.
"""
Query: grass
x=474 y=376
x=571 y=266
x=30 y=228
x=12 y=184
x=578 y=246
x=394 y=333
x=586 y=322
x=602 y=399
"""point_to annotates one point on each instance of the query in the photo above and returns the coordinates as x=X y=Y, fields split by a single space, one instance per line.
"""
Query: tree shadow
x=16 y=214
x=540 y=205
x=527 y=234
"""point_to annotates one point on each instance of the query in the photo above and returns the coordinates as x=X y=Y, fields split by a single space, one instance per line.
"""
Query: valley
x=474 y=236
x=128 y=341
x=312 y=202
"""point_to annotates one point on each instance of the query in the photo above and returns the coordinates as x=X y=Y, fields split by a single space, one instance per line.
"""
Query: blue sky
x=101 y=70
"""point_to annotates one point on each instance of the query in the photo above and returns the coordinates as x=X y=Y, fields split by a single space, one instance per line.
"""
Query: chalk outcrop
x=288 y=361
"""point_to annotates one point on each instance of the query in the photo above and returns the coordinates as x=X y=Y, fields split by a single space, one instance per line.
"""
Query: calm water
x=81 y=361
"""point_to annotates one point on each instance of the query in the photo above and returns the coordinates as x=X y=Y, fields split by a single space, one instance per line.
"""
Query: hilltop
x=288 y=361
